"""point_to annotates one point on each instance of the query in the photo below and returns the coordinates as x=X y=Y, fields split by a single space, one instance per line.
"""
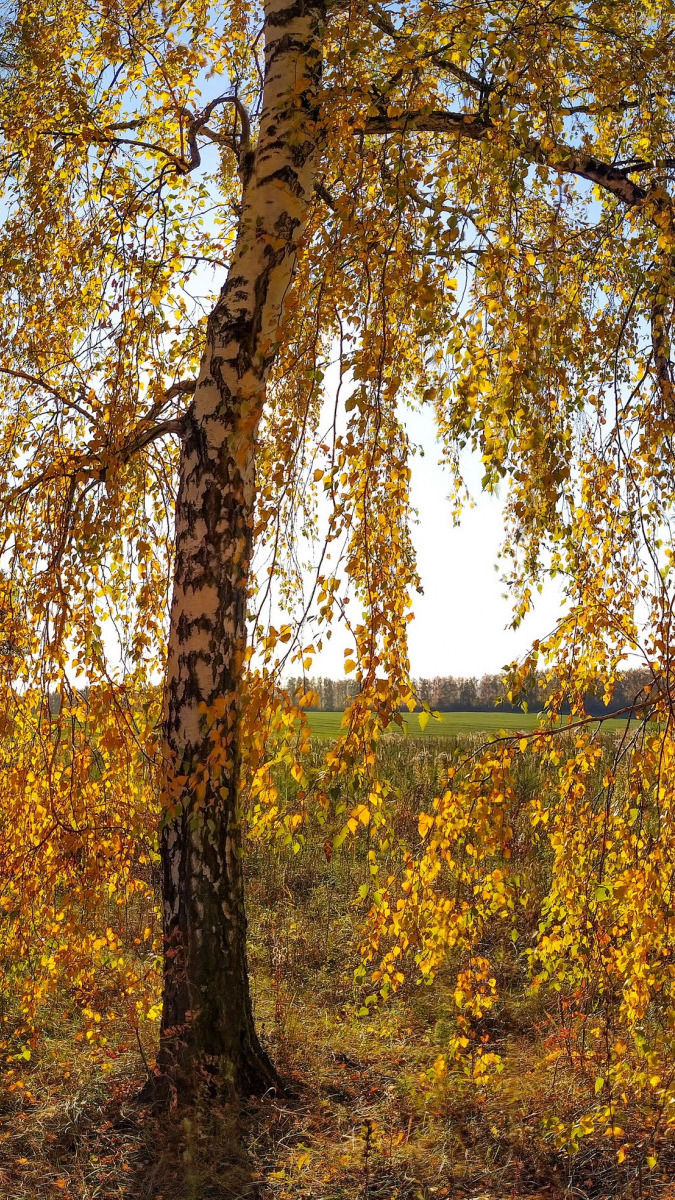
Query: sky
x=461 y=621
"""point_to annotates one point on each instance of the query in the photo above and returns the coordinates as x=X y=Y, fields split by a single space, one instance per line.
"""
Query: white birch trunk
x=207 y=1027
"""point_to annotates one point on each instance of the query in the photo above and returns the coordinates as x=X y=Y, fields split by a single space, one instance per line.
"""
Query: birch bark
x=207 y=1031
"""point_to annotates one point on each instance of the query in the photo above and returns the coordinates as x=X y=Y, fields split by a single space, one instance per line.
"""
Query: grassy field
x=452 y=724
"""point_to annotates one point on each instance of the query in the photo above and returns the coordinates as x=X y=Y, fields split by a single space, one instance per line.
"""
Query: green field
x=327 y=724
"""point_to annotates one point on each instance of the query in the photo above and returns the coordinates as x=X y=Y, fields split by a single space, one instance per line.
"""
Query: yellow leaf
x=424 y=824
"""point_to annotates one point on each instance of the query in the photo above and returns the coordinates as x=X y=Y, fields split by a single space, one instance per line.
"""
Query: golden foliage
x=492 y=235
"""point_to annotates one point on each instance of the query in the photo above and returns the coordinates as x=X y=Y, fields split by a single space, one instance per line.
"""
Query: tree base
x=188 y=1083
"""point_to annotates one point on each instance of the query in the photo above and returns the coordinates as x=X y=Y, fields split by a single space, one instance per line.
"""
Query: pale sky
x=460 y=625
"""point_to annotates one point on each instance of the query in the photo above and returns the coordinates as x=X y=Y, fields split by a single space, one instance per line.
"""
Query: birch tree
x=464 y=206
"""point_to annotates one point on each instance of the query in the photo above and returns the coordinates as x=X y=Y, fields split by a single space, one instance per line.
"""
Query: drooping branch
x=610 y=177
x=661 y=310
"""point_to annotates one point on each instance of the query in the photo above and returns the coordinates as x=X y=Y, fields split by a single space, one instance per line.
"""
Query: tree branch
x=323 y=194
x=83 y=465
x=145 y=437
x=382 y=21
x=659 y=323
x=198 y=124
x=178 y=162
x=40 y=381
x=477 y=128
x=184 y=387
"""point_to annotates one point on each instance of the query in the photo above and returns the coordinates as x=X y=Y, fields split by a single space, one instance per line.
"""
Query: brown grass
x=364 y=1118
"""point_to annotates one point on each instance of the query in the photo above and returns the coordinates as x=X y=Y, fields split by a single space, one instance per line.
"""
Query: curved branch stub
x=198 y=124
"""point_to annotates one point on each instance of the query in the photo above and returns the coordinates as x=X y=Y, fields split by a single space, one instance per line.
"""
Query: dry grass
x=363 y=1117
x=358 y=1123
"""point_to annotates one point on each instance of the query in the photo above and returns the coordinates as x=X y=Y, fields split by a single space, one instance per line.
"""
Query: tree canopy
x=473 y=211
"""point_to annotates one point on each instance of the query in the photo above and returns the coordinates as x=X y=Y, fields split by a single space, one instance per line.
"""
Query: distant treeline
x=446 y=693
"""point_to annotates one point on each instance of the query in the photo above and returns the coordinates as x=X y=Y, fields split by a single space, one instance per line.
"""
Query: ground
x=366 y=1114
